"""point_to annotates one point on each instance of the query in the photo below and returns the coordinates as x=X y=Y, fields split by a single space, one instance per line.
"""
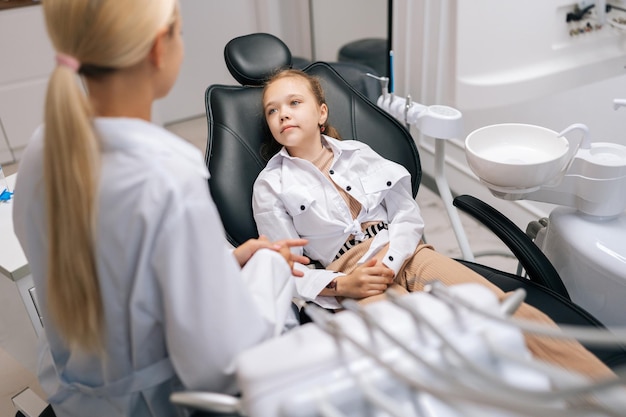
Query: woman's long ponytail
x=71 y=167
x=94 y=38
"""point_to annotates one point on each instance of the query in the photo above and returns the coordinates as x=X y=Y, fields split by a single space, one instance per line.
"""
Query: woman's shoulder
x=31 y=161
x=150 y=147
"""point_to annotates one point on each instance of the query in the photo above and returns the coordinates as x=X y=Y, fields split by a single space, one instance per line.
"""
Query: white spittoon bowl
x=516 y=157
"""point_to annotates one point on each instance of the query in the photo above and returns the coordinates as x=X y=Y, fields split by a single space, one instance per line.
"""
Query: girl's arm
x=370 y=278
x=405 y=222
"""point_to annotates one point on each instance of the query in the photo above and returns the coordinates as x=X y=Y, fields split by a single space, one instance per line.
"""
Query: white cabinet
x=5 y=151
x=20 y=323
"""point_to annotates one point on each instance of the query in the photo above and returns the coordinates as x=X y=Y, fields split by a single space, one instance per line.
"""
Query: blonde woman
x=138 y=289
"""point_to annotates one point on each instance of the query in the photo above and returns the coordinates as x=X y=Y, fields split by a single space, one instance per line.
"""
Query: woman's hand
x=283 y=247
x=244 y=252
x=371 y=278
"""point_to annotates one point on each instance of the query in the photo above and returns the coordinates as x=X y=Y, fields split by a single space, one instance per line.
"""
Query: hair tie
x=68 y=61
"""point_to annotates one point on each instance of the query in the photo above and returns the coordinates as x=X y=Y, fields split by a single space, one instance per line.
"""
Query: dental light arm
x=437 y=121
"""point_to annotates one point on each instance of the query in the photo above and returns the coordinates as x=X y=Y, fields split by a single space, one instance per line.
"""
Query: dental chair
x=236 y=129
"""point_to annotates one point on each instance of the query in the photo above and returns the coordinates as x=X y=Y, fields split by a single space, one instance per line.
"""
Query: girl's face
x=294 y=116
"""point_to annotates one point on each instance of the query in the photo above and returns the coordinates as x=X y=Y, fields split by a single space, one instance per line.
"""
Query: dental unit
x=585 y=233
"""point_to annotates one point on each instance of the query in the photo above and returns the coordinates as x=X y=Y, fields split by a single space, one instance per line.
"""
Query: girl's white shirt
x=178 y=307
x=292 y=198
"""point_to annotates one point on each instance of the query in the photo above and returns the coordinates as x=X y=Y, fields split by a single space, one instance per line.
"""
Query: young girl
x=139 y=292
x=358 y=214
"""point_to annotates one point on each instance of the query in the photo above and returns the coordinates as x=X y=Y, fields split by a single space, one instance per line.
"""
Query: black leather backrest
x=235 y=121
x=356 y=117
x=356 y=75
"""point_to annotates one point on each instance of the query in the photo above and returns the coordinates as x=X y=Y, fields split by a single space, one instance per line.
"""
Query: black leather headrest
x=251 y=59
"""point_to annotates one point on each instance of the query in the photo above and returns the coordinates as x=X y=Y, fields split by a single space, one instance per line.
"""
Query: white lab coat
x=178 y=307
x=293 y=198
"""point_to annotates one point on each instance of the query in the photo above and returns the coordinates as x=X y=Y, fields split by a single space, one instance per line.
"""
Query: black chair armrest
x=537 y=265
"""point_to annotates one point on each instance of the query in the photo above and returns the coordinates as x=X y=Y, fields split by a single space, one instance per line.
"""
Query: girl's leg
x=427 y=265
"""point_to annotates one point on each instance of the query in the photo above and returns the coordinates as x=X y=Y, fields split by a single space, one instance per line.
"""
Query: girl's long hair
x=103 y=36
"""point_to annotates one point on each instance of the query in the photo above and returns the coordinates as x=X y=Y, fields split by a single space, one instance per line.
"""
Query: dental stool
x=357 y=76
x=371 y=52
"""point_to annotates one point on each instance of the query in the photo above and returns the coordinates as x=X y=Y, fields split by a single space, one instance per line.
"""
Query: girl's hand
x=244 y=252
x=371 y=278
